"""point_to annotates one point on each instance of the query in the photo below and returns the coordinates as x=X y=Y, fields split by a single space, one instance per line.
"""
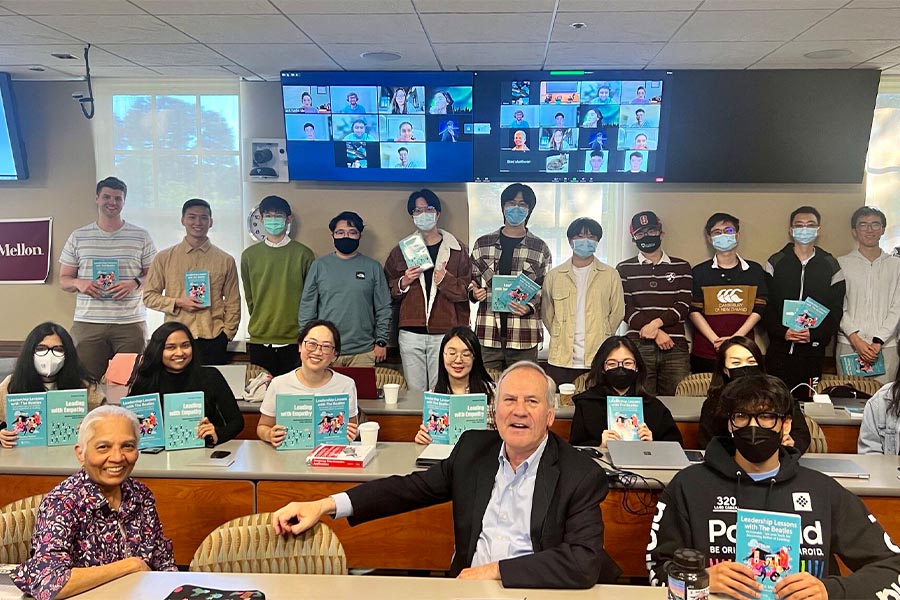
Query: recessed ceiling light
x=63 y=56
x=577 y=25
x=826 y=54
x=380 y=56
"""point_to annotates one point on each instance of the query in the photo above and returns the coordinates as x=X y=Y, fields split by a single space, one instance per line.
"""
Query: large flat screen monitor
x=378 y=126
x=12 y=149
x=585 y=126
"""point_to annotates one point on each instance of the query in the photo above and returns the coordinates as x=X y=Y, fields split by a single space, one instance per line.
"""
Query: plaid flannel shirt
x=532 y=257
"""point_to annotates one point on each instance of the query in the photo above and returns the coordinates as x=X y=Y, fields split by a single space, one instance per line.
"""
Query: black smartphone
x=694 y=456
x=219 y=454
x=152 y=450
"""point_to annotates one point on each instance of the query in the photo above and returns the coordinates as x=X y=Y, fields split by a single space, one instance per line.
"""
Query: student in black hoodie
x=738 y=357
x=618 y=370
x=168 y=367
x=752 y=470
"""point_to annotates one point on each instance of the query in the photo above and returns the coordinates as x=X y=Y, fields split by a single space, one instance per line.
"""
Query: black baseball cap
x=644 y=220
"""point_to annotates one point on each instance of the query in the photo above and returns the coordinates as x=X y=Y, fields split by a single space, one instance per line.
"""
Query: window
x=169 y=144
x=883 y=160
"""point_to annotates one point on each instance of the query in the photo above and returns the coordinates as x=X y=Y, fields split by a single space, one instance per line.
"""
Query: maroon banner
x=25 y=250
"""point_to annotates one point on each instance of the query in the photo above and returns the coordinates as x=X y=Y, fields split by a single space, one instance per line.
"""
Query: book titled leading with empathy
x=310 y=420
x=448 y=416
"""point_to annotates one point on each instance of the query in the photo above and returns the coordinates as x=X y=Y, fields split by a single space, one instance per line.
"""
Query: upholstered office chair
x=385 y=375
x=869 y=385
x=580 y=382
x=817 y=441
x=16 y=526
x=695 y=384
x=249 y=544
x=495 y=374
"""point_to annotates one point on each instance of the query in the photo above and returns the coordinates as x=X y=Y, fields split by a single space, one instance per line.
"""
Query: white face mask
x=425 y=221
x=49 y=364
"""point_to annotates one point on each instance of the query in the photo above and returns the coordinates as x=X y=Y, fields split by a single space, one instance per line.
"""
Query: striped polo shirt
x=661 y=290
x=132 y=247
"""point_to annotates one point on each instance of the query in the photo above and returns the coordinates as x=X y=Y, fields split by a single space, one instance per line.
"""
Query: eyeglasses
x=427 y=209
x=516 y=204
x=628 y=363
x=42 y=350
x=639 y=235
x=726 y=230
x=877 y=226
x=312 y=346
x=346 y=233
x=452 y=355
x=766 y=420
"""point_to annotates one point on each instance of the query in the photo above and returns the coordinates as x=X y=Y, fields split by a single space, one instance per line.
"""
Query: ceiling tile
x=792 y=53
x=863 y=24
x=207 y=7
x=482 y=6
x=326 y=29
x=511 y=53
x=150 y=55
x=119 y=72
x=272 y=58
x=619 y=26
x=195 y=72
x=238 y=29
x=874 y=4
x=414 y=56
x=747 y=26
x=626 y=5
x=3 y=11
x=70 y=7
x=882 y=61
x=602 y=54
x=21 y=72
x=712 y=55
x=496 y=27
x=117 y=30
x=770 y=4
x=20 y=30
x=344 y=7
x=27 y=55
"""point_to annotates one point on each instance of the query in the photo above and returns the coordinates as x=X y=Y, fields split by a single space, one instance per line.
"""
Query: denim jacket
x=879 y=433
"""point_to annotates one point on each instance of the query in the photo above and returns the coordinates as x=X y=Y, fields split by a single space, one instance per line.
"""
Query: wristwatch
x=381 y=343
x=877 y=340
x=137 y=280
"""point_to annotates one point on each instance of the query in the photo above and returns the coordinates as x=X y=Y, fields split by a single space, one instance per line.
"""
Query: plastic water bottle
x=688 y=579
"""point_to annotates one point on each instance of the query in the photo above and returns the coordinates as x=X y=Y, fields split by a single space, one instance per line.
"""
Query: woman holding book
x=737 y=357
x=168 y=367
x=618 y=370
x=47 y=361
x=320 y=345
x=99 y=524
x=461 y=371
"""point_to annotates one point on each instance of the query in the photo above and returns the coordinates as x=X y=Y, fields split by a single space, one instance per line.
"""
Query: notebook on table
x=366 y=388
x=647 y=455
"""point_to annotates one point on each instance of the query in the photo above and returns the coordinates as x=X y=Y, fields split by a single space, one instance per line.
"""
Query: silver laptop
x=434 y=454
x=236 y=376
x=647 y=455
x=835 y=467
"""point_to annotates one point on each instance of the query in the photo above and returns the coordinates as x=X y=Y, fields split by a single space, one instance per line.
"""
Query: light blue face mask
x=515 y=215
x=274 y=225
x=584 y=247
x=724 y=242
x=425 y=221
x=804 y=235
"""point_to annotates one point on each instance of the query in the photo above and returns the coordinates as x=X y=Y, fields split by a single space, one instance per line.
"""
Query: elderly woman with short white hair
x=99 y=524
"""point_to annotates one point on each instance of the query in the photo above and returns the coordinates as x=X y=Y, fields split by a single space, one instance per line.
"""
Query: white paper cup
x=368 y=433
x=566 y=391
x=391 y=390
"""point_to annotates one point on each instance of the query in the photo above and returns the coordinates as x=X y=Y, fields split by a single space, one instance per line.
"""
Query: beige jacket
x=604 y=310
x=95 y=397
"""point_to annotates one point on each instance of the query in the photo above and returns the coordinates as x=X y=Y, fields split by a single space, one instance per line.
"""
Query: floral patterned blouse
x=76 y=527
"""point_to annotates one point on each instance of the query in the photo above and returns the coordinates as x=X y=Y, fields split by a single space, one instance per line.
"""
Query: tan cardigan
x=95 y=397
x=604 y=310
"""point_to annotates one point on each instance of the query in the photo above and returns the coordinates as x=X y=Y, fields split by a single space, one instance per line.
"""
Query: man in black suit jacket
x=565 y=525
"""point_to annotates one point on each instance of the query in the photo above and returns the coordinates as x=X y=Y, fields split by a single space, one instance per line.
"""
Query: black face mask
x=346 y=245
x=736 y=372
x=756 y=444
x=649 y=243
x=620 y=378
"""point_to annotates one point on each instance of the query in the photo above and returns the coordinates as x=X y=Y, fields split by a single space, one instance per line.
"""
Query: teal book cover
x=768 y=543
x=789 y=312
x=65 y=410
x=852 y=364
x=149 y=414
x=500 y=285
x=331 y=414
x=436 y=416
x=182 y=416
x=415 y=252
x=105 y=272
x=467 y=411
x=26 y=414
x=196 y=285
x=624 y=414
x=810 y=315
x=522 y=290
x=296 y=412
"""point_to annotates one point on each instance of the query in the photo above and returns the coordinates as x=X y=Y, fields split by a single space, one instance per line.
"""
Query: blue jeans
x=665 y=368
x=420 y=353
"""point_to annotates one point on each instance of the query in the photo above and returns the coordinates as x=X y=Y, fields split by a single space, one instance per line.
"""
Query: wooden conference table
x=193 y=499
x=400 y=422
